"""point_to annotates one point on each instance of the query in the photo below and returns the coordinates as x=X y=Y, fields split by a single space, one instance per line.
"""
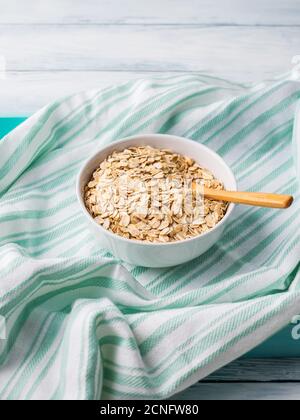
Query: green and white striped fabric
x=83 y=325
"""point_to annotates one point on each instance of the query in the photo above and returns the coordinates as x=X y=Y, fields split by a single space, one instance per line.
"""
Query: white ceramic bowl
x=158 y=254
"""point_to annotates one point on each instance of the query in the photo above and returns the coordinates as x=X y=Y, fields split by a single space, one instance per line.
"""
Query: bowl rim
x=139 y=137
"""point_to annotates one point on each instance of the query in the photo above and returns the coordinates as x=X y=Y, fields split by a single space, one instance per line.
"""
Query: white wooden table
x=56 y=47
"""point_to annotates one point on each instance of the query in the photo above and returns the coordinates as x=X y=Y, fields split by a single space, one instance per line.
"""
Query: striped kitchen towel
x=81 y=324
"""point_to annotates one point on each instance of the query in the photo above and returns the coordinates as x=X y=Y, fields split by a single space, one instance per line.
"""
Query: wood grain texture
x=242 y=53
x=207 y=12
x=55 y=48
x=241 y=392
x=259 y=370
x=45 y=62
x=276 y=201
x=23 y=93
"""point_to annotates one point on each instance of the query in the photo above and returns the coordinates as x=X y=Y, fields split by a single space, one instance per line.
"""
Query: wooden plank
x=220 y=12
x=241 y=391
x=259 y=370
x=242 y=53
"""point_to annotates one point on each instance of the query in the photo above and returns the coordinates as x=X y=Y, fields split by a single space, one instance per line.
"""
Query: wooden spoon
x=276 y=201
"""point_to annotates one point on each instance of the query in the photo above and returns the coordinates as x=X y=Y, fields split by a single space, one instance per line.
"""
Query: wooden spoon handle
x=276 y=201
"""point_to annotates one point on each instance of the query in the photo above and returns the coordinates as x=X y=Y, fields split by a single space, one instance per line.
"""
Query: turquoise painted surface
x=281 y=345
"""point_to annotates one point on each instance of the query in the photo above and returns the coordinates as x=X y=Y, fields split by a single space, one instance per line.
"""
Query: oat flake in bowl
x=148 y=194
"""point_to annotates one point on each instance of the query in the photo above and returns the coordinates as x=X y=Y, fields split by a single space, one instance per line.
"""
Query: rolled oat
x=148 y=194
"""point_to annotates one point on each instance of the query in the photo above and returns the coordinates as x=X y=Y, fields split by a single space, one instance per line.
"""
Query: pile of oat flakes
x=149 y=194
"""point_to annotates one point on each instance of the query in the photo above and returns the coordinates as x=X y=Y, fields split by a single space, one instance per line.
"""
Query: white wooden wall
x=55 y=47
